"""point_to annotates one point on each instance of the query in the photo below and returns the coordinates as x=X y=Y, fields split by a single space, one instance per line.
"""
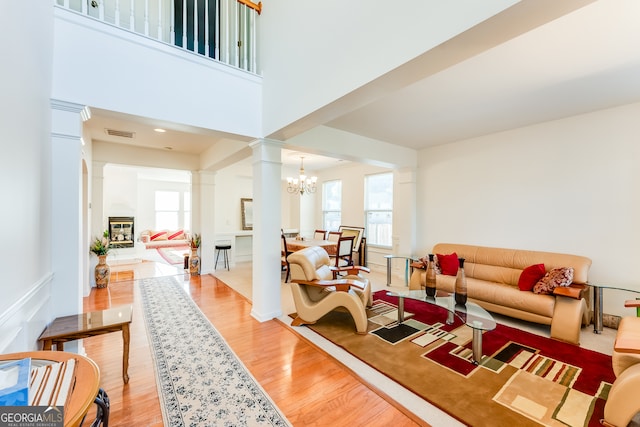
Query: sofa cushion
x=158 y=235
x=555 y=277
x=448 y=264
x=530 y=276
x=502 y=295
x=176 y=235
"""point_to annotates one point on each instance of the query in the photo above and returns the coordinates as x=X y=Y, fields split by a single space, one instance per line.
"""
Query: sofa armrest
x=418 y=264
x=340 y=284
x=574 y=290
x=351 y=269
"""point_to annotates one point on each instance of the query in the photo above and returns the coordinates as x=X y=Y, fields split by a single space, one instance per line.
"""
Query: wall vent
x=120 y=133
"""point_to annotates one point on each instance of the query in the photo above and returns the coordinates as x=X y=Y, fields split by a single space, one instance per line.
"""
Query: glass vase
x=430 y=278
x=460 y=293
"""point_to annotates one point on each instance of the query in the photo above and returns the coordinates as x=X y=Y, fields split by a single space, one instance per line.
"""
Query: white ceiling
x=582 y=62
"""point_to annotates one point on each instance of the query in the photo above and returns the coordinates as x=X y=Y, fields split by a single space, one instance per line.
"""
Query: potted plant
x=194 y=259
x=100 y=247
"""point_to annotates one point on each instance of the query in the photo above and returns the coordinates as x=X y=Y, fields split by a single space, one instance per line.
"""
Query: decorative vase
x=461 y=284
x=102 y=272
x=430 y=278
x=194 y=262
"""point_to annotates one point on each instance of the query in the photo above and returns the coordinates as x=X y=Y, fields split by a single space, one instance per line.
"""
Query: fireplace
x=121 y=231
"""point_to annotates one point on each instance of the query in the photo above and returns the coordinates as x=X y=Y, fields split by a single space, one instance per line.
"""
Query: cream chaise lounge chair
x=316 y=292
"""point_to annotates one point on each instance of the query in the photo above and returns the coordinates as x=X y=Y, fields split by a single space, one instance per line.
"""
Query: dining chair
x=344 y=252
x=284 y=253
x=334 y=236
x=320 y=235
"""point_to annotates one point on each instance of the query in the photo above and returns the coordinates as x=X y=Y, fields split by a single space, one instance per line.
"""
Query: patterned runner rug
x=522 y=380
x=201 y=382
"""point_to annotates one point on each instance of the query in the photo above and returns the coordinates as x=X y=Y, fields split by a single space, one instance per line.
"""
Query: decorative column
x=66 y=210
x=203 y=216
x=267 y=222
x=404 y=219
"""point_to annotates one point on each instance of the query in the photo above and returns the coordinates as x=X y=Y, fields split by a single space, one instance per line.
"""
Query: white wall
x=130 y=191
x=130 y=73
x=566 y=186
x=321 y=40
x=25 y=122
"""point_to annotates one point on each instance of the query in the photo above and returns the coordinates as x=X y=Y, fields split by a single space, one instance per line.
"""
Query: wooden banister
x=255 y=6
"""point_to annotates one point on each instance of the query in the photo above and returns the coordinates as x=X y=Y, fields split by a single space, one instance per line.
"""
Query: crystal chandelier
x=302 y=184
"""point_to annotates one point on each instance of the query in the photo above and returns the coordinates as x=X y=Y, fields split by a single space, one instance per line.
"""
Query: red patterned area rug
x=523 y=379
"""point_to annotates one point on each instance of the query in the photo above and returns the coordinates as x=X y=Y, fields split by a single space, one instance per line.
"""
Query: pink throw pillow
x=160 y=235
x=178 y=235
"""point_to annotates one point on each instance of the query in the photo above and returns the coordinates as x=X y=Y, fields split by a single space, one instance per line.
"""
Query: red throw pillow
x=448 y=264
x=530 y=276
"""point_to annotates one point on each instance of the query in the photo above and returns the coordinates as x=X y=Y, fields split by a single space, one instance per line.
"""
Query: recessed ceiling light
x=160 y=130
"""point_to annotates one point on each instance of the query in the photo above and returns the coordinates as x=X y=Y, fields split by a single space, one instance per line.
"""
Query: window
x=187 y=210
x=331 y=205
x=379 y=208
x=167 y=210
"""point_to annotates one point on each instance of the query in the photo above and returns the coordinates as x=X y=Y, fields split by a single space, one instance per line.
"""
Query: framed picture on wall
x=246 y=207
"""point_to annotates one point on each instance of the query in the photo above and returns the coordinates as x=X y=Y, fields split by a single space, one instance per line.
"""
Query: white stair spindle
x=195 y=26
x=172 y=23
x=84 y=7
x=184 y=24
x=206 y=27
x=236 y=50
x=101 y=10
x=159 y=19
x=254 y=53
x=117 y=17
x=132 y=16
x=146 y=18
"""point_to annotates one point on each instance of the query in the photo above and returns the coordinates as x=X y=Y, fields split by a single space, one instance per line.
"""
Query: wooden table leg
x=46 y=345
x=125 y=353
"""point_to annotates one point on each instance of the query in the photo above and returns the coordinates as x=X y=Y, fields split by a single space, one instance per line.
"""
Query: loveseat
x=164 y=238
x=493 y=276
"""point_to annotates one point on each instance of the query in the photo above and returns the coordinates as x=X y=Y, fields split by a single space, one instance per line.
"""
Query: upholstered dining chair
x=284 y=253
x=319 y=234
x=344 y=252
x=316 y=292
x=334 y=236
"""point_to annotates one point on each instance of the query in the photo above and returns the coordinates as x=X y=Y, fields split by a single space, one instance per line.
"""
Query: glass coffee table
x=474 y=316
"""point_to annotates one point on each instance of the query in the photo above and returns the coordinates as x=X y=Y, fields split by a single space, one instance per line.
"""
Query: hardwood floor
x=310 y=387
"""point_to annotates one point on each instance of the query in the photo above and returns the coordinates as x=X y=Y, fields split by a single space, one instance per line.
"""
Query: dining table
x=294 y=245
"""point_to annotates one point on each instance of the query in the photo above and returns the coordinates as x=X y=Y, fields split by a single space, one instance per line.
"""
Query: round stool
x=222 y=247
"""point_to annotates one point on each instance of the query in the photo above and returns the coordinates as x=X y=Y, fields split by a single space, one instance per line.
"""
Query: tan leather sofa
x=622 y=402
x=492 y=281
x=316 y=292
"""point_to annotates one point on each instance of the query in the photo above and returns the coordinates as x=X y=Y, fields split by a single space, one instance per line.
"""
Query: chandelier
x=302 y=184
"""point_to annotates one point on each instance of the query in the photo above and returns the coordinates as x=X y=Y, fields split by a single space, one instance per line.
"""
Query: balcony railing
x=224 y=30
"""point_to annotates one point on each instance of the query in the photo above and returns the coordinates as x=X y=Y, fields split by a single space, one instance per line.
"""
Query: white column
x=404 y=216
x=203 y=201
x=97 y=218
x=66 y=208
x=267 y=167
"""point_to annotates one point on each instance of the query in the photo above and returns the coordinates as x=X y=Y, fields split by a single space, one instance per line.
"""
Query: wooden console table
x=85 y=325
x=86 y=386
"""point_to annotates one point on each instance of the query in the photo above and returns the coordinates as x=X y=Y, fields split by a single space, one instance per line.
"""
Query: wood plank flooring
x=310 y=387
